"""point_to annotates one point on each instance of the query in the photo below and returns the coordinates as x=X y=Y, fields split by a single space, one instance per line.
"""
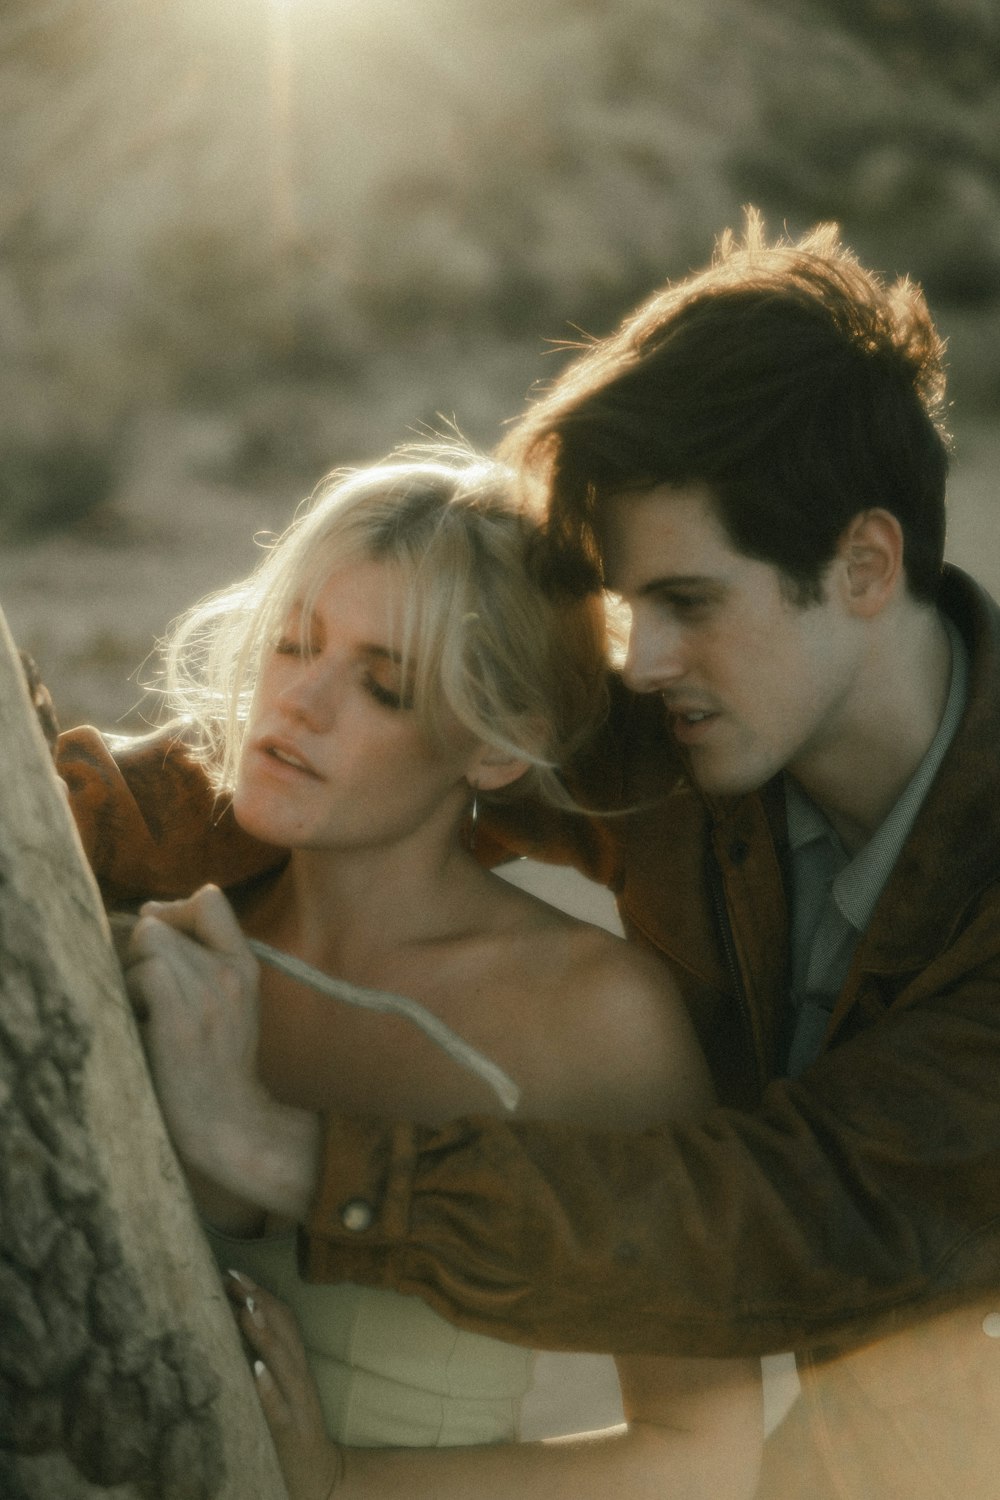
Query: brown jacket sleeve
x=148 y=819
x=151 y=824
x=845 y=1207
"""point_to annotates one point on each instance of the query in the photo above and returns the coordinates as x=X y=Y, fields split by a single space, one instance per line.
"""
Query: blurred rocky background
x=245 y=241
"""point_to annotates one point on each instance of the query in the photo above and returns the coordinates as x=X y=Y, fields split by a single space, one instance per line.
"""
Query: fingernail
x=247 y=1287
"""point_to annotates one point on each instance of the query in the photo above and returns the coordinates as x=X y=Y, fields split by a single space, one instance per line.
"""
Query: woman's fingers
x=270 y=1329
x=199 y=1008
x=208 y=918
x=276 y=1408
x=288 y=1395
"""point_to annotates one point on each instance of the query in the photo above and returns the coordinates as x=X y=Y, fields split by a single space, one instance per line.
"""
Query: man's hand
x=193 y=978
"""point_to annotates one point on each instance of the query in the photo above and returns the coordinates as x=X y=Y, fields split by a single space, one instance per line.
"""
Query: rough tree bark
x=121 y=1372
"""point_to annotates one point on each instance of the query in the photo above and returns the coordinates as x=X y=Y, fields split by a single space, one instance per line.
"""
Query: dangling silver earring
x=470 y=839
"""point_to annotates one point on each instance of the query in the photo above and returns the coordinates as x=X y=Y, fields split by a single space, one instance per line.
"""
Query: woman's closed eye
x=298 y=637
x=387 y=697
x=288 y=645
x=384 y=677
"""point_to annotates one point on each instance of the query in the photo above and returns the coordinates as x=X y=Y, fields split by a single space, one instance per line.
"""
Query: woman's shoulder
x=613 y=1046
x=631 y=1024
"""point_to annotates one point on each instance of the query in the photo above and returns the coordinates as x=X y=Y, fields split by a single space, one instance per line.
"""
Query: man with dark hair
x=786 y=379
x=798 y=794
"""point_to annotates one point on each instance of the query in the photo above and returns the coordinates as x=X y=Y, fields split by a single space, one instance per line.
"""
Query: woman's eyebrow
x=383 y=653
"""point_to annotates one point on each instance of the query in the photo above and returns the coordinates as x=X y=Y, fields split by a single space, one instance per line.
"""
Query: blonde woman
x=392 y=662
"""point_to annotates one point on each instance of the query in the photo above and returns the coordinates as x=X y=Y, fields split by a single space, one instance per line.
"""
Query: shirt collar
x=806 y=824
x=860 y=880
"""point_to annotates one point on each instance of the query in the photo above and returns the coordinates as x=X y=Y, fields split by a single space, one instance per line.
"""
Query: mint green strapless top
x=390 y=1371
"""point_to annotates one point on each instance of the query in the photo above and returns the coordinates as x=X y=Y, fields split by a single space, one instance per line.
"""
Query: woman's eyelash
x=286 y=646
x=383 y=695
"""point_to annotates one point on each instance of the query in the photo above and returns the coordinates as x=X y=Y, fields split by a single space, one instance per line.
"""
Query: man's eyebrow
x=668 y=581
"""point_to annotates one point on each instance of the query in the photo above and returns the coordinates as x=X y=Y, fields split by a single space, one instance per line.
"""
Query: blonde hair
x=519 y=664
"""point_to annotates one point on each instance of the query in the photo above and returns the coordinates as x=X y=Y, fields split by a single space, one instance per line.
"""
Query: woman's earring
x=470 y=839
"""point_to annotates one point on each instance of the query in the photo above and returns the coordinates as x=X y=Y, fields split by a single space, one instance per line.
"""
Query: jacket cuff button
x=991 y=1325
x=357 y=1215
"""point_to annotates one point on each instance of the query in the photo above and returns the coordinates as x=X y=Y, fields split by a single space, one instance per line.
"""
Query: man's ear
x=871 y=553
x=491 y=769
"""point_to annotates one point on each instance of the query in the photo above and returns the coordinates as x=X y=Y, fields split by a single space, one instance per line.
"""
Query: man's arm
x=861 y=1196
x=149 y=819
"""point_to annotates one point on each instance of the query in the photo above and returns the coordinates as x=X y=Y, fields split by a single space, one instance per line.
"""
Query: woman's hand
x=193 y=981
x=311 y=1464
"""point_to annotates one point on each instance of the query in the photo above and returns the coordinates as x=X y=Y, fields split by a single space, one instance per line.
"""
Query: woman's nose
x=312 y=698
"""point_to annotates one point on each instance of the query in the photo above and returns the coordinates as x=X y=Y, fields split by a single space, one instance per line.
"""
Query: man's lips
x=690 y=724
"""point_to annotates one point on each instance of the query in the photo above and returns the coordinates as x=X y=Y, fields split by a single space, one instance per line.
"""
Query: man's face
x=752 y=682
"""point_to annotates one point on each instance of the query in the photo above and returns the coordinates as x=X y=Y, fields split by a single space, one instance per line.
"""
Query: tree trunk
x=121 y=1370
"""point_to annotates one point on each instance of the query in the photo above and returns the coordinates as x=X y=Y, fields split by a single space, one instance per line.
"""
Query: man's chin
x=726 y=781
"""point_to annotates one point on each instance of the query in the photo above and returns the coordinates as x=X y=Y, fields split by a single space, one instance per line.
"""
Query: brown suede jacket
x=811 y=1214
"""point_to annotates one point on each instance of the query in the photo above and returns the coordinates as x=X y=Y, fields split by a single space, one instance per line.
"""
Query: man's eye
x=687 y=604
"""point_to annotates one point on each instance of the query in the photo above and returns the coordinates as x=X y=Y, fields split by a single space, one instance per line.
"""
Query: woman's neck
x=347 y=911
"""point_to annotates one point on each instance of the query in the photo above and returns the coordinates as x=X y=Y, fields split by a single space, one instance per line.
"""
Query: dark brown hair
x=800 y=388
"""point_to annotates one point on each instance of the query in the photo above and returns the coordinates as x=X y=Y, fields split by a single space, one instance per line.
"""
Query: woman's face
x=334 y=756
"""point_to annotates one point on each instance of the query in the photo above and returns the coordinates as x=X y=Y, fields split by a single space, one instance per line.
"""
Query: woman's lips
x=283 y=756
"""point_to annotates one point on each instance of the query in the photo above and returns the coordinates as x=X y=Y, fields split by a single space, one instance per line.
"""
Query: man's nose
x=655 y=656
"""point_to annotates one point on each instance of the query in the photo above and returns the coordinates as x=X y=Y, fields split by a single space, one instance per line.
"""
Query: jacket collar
x=953 y=851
